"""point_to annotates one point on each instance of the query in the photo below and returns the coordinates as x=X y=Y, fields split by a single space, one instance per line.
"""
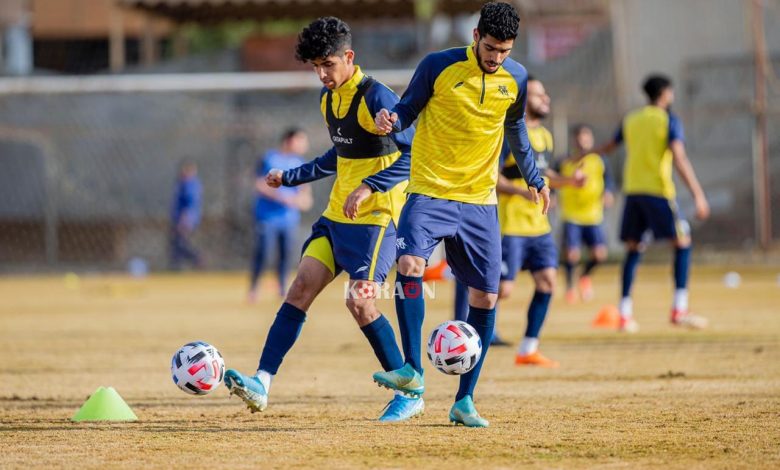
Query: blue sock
x=382 y=339
x=682 y=261
x=483 y=320
x=569 y=274
x=590 y=266
x=281 y=337
x=410 y=308
x=629 y=270
x=461 y=301
x=537 y=312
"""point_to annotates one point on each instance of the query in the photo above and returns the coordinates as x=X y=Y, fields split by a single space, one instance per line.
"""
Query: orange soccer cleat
x=586 y=288
x=535 y=359
x=435 y=272
x=572 y=297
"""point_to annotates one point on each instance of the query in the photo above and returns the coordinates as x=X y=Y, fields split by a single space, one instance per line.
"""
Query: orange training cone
x=608 y=317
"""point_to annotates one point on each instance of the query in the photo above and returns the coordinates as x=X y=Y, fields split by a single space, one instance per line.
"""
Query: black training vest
x=348 y=136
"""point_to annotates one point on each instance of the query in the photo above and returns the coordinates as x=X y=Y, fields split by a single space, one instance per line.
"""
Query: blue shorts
x=365 y=252
x=472 y=240
x=527 y=253
x=656 y=214
x=574 y=235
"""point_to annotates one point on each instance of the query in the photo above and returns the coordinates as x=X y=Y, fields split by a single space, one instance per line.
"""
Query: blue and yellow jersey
x=647 y=133
x=359 y=153
x=517 y=215
x=584 y=205
x=463 y=115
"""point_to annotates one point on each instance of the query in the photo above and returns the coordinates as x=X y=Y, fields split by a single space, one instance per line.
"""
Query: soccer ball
x=197 y=368
x=454 y=347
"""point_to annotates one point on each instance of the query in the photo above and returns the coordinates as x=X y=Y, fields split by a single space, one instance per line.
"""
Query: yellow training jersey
x=647 y=133
x=584 y=205
x=517 y=215
x=359 y=152
x=463 y=114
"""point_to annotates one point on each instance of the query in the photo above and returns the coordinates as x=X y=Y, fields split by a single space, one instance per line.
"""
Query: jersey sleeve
x=379 y=97
x=675 y=129
x=321 y=167
x=516 y=131
x=420 y=88
x=609 y=181
x=618 y=137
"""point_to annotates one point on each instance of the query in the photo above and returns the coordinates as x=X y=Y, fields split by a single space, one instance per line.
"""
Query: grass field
x=663 y=397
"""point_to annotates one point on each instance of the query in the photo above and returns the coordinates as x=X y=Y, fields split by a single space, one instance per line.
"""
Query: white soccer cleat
x=628 y=325
x=689 y=320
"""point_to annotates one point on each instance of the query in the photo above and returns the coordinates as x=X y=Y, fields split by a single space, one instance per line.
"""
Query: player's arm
x=517 y=137
x=321 y=167
x=609 y=185
x=683 y=166
x=504 y=185
x=414 y=99
x=557 y=180
x=304 y=199
x=610 y=147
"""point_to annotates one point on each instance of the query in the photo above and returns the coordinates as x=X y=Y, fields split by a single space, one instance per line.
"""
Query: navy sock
x=483 y=320
x=410 y=308
x=281 y=337
x=629 y=270
x=537 y=312
x=382 y=339
x=461 y=301
x=682 y=261
x=569 y=274
x=592 y=263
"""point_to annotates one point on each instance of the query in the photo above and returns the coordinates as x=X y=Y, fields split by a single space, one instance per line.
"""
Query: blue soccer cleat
x=402 y=408
x=463 y=412
x=406 y=380
x=248 y=388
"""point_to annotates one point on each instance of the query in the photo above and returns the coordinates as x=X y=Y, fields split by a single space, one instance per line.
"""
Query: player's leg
x=424 y=222
x=262 y=240
x=286 y=240
x=572 y=237
x=594 y=239
x=541 y=259
x=475 y=257
x=461 y=301
x=632 y=228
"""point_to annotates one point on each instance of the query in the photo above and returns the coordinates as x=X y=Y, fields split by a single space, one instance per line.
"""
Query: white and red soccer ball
x=197 y=368
x=454 y=347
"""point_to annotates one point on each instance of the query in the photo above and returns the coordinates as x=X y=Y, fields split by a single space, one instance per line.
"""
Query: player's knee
x=482 y=299
x=412 y=266
x=573 y=256
x=362 y=310
x=504 y=290
x=682 y=242
x=633 y=245
x=600 y=253
x=545 y=280
x=302 y=292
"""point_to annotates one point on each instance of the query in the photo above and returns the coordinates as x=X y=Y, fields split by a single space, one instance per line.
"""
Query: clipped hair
x=655 y=85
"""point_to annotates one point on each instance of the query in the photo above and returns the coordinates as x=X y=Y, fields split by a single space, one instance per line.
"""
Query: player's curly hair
x=323 y=37
x=499 y=20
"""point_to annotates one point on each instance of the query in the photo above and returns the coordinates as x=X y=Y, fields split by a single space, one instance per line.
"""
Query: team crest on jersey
x=503 y=90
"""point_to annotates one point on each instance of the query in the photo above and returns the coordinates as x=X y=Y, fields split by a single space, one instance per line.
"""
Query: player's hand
x=609 y=199
x=579 y=179
x=384 y=121
x=355 y=198
x=274 y=178
x=702 y=208
x=544 y=194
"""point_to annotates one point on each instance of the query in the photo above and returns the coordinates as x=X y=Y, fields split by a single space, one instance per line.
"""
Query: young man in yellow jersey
x=363 y=245
x=526 y=236
x=582 y=211
x=654 y=144
x=466 y=99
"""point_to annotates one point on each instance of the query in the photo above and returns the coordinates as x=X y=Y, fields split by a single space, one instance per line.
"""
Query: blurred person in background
x=185 y=216
x=278 y=210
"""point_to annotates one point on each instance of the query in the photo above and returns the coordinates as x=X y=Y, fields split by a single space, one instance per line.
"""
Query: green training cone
x=105 y=405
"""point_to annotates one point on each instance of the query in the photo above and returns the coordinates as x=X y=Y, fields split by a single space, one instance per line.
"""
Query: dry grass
x=662 y=397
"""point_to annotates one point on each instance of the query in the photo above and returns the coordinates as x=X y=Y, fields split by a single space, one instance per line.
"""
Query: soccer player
x=277 y=210
x=466 y=99
x=582 y=212
x=655 y=143
x=363 y=244
x=526 y=235
x=185 y=216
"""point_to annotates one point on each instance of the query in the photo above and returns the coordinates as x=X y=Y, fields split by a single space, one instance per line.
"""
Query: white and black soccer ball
x=454 y=347
x=197 y=368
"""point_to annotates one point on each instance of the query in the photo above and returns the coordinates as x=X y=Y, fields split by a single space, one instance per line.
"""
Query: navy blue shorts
x=365 y=252
x=574 y=235
x=527 y=253
x=656 y=214
x=472 y=240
